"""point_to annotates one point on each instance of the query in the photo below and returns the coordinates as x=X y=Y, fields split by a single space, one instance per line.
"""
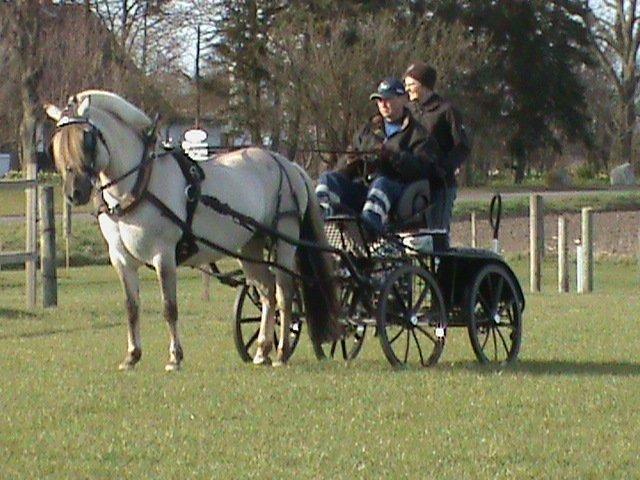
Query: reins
x=193 y=176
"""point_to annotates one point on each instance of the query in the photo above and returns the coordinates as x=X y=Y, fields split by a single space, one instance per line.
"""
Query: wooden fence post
x=31 y=241
x=206 y=285
x=563 y=256
x=587 y=245
x=474 y=232
x=536 y=240
x=66 y=228
x=48 y=248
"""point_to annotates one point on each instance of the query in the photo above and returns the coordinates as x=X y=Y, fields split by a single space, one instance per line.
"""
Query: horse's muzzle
x=78 y=190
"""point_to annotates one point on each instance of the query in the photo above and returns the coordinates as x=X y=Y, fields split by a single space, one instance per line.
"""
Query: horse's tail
x=318 y=283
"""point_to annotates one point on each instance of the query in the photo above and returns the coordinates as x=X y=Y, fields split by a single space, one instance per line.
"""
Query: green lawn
x=567 y=409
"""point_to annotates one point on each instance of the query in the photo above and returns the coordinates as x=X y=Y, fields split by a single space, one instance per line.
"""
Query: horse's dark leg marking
x=133 y=318
x=171 y=317
x=167 y=277
x=129 y=279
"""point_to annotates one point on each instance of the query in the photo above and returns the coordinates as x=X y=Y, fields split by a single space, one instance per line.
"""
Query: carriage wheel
x=349 y=346
x=248 y=310
x=494 y=316
x=411 y=317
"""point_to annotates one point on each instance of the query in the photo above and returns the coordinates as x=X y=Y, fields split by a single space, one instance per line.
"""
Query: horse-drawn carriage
x=162 y=209
x=408 y=287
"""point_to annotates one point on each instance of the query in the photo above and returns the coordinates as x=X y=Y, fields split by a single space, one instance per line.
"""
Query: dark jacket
x=444 y=122
x=411 y=154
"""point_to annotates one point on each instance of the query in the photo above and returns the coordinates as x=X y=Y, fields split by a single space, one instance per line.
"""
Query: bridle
x=93 y=135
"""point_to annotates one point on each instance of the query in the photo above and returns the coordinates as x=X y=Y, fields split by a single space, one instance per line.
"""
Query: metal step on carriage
x=407 y=288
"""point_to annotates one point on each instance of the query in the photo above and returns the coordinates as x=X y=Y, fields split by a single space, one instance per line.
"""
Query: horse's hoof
x=172 y=367
x=281 y=357
x=262 y=361
x=130 y=360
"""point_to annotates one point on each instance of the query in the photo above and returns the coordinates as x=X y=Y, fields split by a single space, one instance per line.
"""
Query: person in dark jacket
x=390 y=151
x=442 y=120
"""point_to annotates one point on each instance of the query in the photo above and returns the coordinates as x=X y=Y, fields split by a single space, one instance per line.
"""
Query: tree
x=329 y=69
x=539 y=48
x=21 y=34
x=614 y=27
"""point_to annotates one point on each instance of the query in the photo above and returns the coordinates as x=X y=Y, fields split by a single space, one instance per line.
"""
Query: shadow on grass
x=12 y=313
x=554 y=367
x=60 y=331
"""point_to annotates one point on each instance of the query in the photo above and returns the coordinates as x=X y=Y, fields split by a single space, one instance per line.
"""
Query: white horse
x=102 y=140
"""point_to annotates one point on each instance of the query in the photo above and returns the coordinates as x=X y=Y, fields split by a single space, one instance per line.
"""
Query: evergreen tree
x=242 y=36
x=539 y=47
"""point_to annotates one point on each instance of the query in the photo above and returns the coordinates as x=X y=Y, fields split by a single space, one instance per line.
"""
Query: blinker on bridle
x=90 y=141
x=91 y=135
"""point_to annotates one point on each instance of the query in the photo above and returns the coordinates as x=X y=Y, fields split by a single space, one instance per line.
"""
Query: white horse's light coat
x=255 y=182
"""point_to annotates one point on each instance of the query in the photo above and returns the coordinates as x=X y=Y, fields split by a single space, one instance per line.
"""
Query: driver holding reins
x=390 y=151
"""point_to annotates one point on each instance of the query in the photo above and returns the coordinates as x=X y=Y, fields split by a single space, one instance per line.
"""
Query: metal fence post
x=563 y=256
x=474 y=232
x=587 y=245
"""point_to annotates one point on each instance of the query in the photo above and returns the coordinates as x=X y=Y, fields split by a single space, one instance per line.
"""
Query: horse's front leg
x=131 y=286
x=127 y=269
x=166 y=272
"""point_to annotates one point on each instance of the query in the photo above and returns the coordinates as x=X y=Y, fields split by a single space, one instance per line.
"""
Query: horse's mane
x=115 y=105
x=67 y=145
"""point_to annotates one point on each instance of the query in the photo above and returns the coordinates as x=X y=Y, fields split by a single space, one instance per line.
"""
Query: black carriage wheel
x=247 y=322
x=411 y=317
x=349 y=345
x=494 y=316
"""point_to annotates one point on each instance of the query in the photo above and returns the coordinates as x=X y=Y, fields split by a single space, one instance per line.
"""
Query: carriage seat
x=412 y=208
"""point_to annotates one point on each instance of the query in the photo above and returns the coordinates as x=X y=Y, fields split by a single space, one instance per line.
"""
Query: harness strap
x=193 y=175
x=144 y=169
x=186 y=230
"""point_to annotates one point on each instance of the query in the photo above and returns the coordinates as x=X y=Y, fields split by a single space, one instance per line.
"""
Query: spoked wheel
x=411 y=317
x=348 y=347
x=248 y=312
x=495 y=317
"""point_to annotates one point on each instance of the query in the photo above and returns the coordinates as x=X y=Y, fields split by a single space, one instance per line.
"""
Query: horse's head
x=98 y=137
x=75 y=150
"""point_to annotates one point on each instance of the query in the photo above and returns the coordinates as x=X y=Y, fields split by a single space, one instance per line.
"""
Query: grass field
x=567 y=409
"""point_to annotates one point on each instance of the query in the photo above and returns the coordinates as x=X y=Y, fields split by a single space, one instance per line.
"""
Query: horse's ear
x=53 y=112
x=84 y=105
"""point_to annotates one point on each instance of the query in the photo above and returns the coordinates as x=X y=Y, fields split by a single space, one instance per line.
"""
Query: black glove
x=387 y=161
x=385 y=154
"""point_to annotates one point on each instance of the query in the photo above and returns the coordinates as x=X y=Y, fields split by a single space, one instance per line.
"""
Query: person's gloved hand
x=385 y=154
x=386 y=162
x=352 y=155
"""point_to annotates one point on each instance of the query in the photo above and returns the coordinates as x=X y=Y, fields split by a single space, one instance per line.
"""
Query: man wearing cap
x=402 y=151
x=444 y=123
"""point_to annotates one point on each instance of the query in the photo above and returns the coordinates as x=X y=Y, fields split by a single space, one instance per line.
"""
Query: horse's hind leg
x=166 y=272
x=262 y=279
x=285 y=255
x=284 y=297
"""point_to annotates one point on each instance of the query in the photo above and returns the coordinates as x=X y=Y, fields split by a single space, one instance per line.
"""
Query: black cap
x=423 y=73
x=390 y=87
